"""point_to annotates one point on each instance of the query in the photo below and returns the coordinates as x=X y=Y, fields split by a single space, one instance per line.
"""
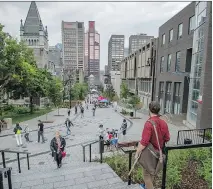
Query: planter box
x=47 y=121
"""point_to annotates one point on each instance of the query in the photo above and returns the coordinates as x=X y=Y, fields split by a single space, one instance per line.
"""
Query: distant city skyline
x=138 y=19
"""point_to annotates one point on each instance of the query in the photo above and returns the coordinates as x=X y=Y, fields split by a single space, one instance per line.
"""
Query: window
x=180 y=30
x=163 y=39
x=169 y=62
x=161 y=64
x=177 y=62
x=170 y=35
x=191 y=24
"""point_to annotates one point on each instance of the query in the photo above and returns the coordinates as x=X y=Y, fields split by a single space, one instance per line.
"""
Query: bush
x=8 y=108
x=21 y=110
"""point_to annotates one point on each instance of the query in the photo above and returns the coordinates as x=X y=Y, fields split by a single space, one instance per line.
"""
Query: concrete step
x=84 y=176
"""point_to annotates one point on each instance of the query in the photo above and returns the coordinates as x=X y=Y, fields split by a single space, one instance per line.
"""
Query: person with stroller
x=68 y=112
x=82 y=111
x=68 y=124
x=27 y=133
x=57 y=146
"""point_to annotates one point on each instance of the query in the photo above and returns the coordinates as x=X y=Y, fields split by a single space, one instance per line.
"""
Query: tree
x=79 y=91
x=55 y=92
x=135 y=103
x=124 y=90
x=109 y=92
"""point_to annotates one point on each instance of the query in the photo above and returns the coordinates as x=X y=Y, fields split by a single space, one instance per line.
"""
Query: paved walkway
x=84 y=130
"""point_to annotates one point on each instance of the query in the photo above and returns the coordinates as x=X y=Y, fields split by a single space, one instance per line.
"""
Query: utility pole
x=70 y=91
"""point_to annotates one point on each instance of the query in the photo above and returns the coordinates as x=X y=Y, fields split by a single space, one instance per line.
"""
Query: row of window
x=169 y=62
x=180 y=30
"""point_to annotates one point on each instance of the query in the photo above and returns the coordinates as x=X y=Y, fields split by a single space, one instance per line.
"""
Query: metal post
x=84 y=153
x=204 y=134
x=101 y=150
x=3 y=159
x=70 y=93
x=153 y=76
x=9 y=179
x=178 y=137
x=19 y=167
x=164 y=171
x=28 y=162
x=1 y=181
x=90 y=153
x=130 y=167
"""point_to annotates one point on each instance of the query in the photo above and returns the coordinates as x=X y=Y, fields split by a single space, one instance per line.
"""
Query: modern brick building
x=200 y=114
x=137 y=41
x=92 y=51
x=173 y=63
x=33 y=33
x=115 y=52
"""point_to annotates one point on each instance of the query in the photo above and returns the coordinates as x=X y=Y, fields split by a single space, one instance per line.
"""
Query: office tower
x=92 y=51
x=137 y=41
x=115 y=52
x=73 y=45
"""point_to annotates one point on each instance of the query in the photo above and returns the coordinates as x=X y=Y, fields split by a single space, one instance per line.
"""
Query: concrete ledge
x=47 y=121
x=58 y=115
x=135 y=118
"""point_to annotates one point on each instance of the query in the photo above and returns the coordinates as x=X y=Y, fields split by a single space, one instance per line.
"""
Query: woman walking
x=57 y=146
x=17 y=131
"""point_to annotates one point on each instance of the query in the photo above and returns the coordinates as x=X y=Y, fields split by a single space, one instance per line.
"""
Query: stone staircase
x=72 y=175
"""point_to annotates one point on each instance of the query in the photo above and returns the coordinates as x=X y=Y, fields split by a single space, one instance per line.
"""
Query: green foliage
x=20 y=75
x=21 y=110
x=124 y=90
x=109 y=93
x=79 y=91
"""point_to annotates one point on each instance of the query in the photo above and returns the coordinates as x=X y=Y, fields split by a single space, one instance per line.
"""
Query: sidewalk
x=135 y=131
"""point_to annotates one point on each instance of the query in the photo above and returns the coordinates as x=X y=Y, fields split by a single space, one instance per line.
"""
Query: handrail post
x=164 y=170
x=9 y=179
x=4 y=163
x=204 y=134
x=130 y=167
x=178 y=137
x=1 y=181
x=19 y=167
x=101 y=150
x=90 y=153
x=84 y=153
x=28 y=162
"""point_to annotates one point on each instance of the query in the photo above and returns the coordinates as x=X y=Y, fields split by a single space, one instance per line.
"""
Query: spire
x=46 y=31
x=21 y=26
x=41 y=28
x=32 y=22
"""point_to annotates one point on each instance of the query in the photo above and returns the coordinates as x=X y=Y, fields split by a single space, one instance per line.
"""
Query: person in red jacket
x=148 y=136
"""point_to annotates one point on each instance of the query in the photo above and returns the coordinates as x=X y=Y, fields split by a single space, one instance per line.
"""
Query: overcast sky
x=124 y=18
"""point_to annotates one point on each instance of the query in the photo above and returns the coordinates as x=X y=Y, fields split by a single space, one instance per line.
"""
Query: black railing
x=167 y=149
x=8 y=173
x=18 y=158
x=194 y=136
x=90 y=150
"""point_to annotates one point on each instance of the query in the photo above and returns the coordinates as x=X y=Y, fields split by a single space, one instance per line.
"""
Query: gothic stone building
x=35 y=36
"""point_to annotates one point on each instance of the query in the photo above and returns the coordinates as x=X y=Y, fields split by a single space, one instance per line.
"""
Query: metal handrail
x=177 y=148
x=18 y=158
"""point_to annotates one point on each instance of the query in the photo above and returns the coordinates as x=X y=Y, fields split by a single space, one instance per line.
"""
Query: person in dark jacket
x=57 y=146
x=124 y=127
x=68 y=124
x=17 y=130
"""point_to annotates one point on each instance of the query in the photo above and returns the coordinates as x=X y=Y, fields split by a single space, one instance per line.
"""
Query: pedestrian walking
x=124 y=127
x=27 y=134
x=82 y=111
x=154 y=136
x=68 y=112
x=17 y=130
x=68 y=124
x=41 y=131
x=57 y=146
x=76 y=108
x=93 y=111
x=87 y=106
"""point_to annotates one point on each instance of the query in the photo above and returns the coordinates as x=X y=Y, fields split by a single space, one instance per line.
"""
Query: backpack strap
x=160 y=150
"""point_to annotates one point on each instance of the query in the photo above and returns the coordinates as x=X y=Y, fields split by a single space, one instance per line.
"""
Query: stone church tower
x=35 y=36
